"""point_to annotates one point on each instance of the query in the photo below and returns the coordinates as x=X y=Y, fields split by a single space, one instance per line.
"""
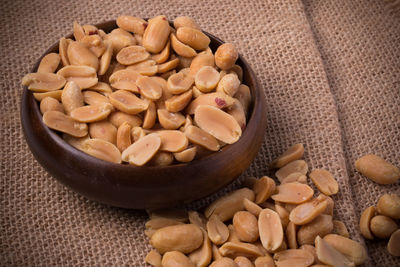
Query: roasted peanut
x=179 y=83
x=294 y=257
x=71 y=97
x=353 y=250
x=103 y=130
x=291 y=235
x=263 y=188
x=223 y=262
x=79 y=54
x=201 y=60
x=186 y=155
x=178 y=102
x=49 y=103
x=237 y=112
x=264 y=261
x=229 y=84
x=283 y=214
x=176 y=259
x=128 y=102
x=161 y=158
x=181 y=48
x=324 y=181
x=184 y=21
x=329 y=255
x=156 y=34
x=377 y=169
x=270 y=229
x=118 y=118
x=49 y=63
x=83 y=76
x=217 y=231
x=147 y=67
x=153 y=258
x=105 y=59
x=320 y=226
x=79 y=33
x=132 y=24
x=226 y=56
x=170 y=120
x=197 y=219
x=206 y=79
x=295 y=152
x=252 y=207
x=163 y=55
x=91 y=113
x=161 y=222
x=294 y=166
x=293 y=193
x=132 y=54
x=150 y=116
x=172 y=140
x=234 y=249
x=148 y=87
x=340 y=228
x=202 y=256
x=193 y=37
x=54 y=94
x=393 y=245
x=94 y=98
x=142 y=150
x=119 y=39
x=124 y=136
x=216 y=99
x=382 y=226
x=389 y=205
x=244 y=96
x=137 y=133
x=102 y=149
x=94 y=43
x=125 y=79
x=167 y=68
x=243 y=262
x=246 y=226
x=365 y=221
x=216 y=255
x=202 y=138
x=308 y=211
x=63 y=48
x=238 y=71
x=59 y=121
x=295 y=177
x=43 y=82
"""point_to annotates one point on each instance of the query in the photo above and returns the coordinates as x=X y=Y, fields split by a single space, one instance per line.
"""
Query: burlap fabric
x=330 y=72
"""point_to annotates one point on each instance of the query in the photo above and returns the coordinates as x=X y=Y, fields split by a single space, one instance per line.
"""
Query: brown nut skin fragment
x=170 y=120
x=308 y=211
x=156 y=34
x=243 y=262
x=103 y=130
x=128 y=102
x=246 y=226
x=223 y=262
x=263 y=188
x=43 y=82
x=119 y=39
x=294 y=152
x=382 y=226
x=377 y=169
x=226 y=206
x=193 y=38
x=234 y=249
x=132 y=24
x=57 y=120
x=202 y=256
x=184 y=238
x=50 y=103
x=140 y=152
x=329 y=255
x=270 y=229
x=202 y=138
x=186 y=155
x=153 y=258
x=118 y=118
x=293 y=193
x=353 y=250
x=320 y=226
x=124 y=136
x=185 y=21
x=218 y=123
x=49 y=63
x=324 y=181
x=218 y=232
x=294 y=166
x=389 y=205
x=132 y=54
x=226 y=56
x=91 y=113
x=393 y=245
x=79 y=54
x=102 y=150
x=176 y=259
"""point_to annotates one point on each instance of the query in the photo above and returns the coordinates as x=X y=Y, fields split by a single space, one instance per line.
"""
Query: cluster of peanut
x=144 y=93
x=262 y=224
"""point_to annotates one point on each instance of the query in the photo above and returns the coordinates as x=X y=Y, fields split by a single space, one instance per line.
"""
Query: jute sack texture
x=330 y=73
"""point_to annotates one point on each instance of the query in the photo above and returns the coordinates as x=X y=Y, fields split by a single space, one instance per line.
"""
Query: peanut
x=329 y=255
x=202 y=138
x=156 y=34
x=94 y=98
x=216 y=99
x=201 y=60
x=308 y=211
x=393 y=245
x=150 y=116
x=178 y=102
x=59 y=121
x=252 y=207
x=244 y=96
x=234 y=249
x=142 y=150
x=83 y=76
x=202 y=256
x=172 y=140
x=43 y=82
x=163 y=55
x=246 y=226
x=50 y=103
x=389 y=205
x=105 y=59
x=229 y=84
x=186 y=155
x=291 y=235
x=161 y=158
x=132 y=54
x=147 y=67
x=365 y=221
x=179 y=83
x=128 y=102
x=103 y=130
x=149 y=88
x=270 y=229
x=340 y=228
x=180 y=48
x=217 y=231
x=243 y=262
x=168 y=67
x=102 y=149
x=118 y=118
x=353 y=250
x=377 y=169
x=79 y=54
x=224 y=262
x=294 y=166
x=320 y=226
x=91 y=113
x=193 y=37
x=324 y=181
x=176 y=259
x=132 y=24
x=124 y=136
x=382 y=226
x=226 y=56
x=153 y=258
x=237 y=112
x=263 y=189
x=63 y=48
x=49 y=63
x=185 y=22
x=170 y=120
x=54 y=94
x=293 y=193
x=119 y=39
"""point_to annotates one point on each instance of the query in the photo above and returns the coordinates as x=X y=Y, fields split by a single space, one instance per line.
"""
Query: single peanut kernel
x=229 y=84
x=270 y=229
x=263 y=188
x=181 y=48
x=226 y=56
x=294 y=166
x=49 y=63
x=123 y=136
x=393 y=245
x=156 y=34
x=217 y=231
x=186 y=155
x=176 y=259
x=365 y=221
x=149 y=88
x=102 y=149
x=382 y=226
x=50 y=103
x=83 y=76
x=246 y=226
x=389 y=205
x=57 y=120
x=132 y=55
x=324 y=181
x=128 y=102
x=207 y=79
x=91 y=113
x=293 y=193
x=141 y=151
x=43 y=82
x=377 y=169
x=202 y=138
x=119 y=39
x=104 y=130
x=170 y=120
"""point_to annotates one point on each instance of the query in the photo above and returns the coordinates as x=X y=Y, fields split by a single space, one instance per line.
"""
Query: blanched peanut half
x=49 y=63
x=226 y=56
x=377 y=169
x=229 y=84
x=294 y=257
x=167 y=68
x=293 y=193
x=102 y=149
x=263 y=188
x=102 y=88
x=94 y=98
x=206 y=79
x=160 y=222
x=217 y=231
x=150 y=116
x=353 y=250
x=202 y=256
x=218 y=123
x=172 y=140
x=237 y=112
x=147 y=67
x=103 y=130
x=84 y=76
x=283 y=214
x=340 y=228
x=57 y=120
x=193 y=38
x=153 y=258
x=327 y=254
x=320 y=226
x=91 y=113
x=118 y=118
x=243 y=262
x=202 y=138
x=71 y=97
x=197 y=219
x=156 y=34
x=186 y=155
x=382 y=226
x=161 y=158
x=176 y=259
x=181 y=48
x=178 y=102
x=179 y=83
x=79 y=33
x=43 y=82
x=223 y=262
x=270 y=229
x=294 y=166
x=132 y=54
x=105 y=59
x=244 y=96
x=393 y=245
x=141 y=151
x=201 y=60
x=238 y=71
x=63 y=48
x=128 y=102
x=246 y=226
x=216 y=99
x=94 y=43
x=132 y=24
x=120 y=39
x=170 y=120
x=234 y=249
x=184 y=238
x=389 y=205
x=308 y=211
x=252 y=207
x=294 y=152
x=365 y=221
x=185 y=21
x=264 y=261
x=79 y=54
x=295 y=177
x=54 y=94
x=137 y=133
x=163 y=55
x=49 y=103
x=324 y=181
x=226 y=206
x=330 y=206
x=148 y=87
x=124 y=136
x=125 y=79
x=291 y=235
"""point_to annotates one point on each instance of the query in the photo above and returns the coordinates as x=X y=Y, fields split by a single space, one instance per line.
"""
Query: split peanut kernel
x=124 y=136
x=378 y=169
x=185 y=21
x=270 y=229
x=246 y=226
x=103 y=130
x=263 y=188
x=202 y=138
x=217 y=231
x=71 y=97
x=172 y=140
x=295 y=152
x=393 y=245
x=43 y=82
x=91 y=113
x=179 y=83
x=293 y=193
x=365 y=222
x=102 y=149
x=180 y=48
x=125 y=79
x=193 y=37
x=186 y=155
x=353 y=250
x=202 y=256
x=383 y=226
x=118 y=118
x=149 y=88
x=389 y=205
x=119 y=39
x=142 y=150
x=226 y=56
x=57 y=120
x=308 y=211
x=156 y=34
x=163 y=55
x=178 y=102
x=320 y=226
x=147 y=67
x=217 y=99
x=132 y=54
x=340 y=228
x=176 y=259
x=153 y=258
x=132 y=24
x=50 y=103
x=54 y=94
x=78 y=54
x=49 y=63
x=94 y=98
x=294 y=166
x=229 y=84
x=170 y=120
x=206 y=79
x=324 y=181
x=83 y=76
x=128 y=102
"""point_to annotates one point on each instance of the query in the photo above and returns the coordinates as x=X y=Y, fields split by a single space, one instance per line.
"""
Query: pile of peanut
x=262 y=224
x=145 y=93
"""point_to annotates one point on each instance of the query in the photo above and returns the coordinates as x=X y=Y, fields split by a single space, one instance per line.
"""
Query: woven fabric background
x=331 y=74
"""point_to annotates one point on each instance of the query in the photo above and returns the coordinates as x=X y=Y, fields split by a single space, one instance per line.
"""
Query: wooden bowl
x=133 y=187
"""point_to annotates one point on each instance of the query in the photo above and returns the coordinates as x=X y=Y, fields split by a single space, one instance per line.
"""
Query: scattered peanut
x=377 y=169
x=324 y=181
